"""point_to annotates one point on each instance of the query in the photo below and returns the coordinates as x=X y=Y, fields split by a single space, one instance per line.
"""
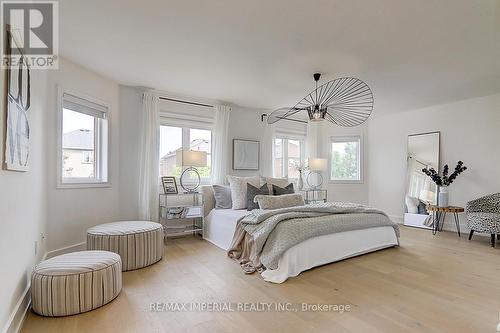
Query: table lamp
x=429 y=197
x=315 y=166
x=191 y=159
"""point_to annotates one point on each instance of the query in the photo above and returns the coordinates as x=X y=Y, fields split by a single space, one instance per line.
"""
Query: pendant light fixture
x=345 y=101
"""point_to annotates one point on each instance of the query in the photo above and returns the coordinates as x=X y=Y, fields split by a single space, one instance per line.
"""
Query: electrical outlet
x=42 y=236
x=36 y=247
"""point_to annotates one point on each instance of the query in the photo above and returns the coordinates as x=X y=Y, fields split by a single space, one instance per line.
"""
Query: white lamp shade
x=317 y=164
x=191 y=158
x=427 y=196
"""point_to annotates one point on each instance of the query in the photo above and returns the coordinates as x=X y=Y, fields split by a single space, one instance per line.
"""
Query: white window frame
x=284 y=166
x=186 y=145
x=350 y=138
x=102 y=154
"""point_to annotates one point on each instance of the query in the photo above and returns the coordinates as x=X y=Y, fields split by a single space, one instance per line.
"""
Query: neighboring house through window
x=83 y=143
x=288 y=156
x=88 y=156
x=173 y=139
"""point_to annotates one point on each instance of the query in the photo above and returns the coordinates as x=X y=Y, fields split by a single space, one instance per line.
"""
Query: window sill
x=346 y=181
x=83 y=185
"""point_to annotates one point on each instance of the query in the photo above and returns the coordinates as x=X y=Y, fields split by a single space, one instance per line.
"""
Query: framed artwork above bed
x=246 y=154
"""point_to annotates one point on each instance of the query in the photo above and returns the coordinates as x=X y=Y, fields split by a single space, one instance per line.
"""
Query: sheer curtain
x=267 y=149
x=149 y=157
x=311 y=140
x=221 y=143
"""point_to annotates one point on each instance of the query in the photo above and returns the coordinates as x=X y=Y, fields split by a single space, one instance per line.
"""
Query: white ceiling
x=262 y=53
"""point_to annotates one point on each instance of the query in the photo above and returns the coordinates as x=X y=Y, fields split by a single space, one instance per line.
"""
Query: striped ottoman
x=139 y=243
x=75 y=282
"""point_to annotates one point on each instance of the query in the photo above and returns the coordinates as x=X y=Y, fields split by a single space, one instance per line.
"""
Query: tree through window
x=345 y=159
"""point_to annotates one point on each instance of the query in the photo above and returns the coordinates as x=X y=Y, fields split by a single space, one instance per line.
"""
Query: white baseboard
x=18 y=315
x=449 y=225
x=72 y=248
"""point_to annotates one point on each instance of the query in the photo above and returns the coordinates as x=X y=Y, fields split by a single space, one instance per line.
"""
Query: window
x=173 y=139
x=83 y=142
x=88 y=157
x=288 y=155
x=345 y=159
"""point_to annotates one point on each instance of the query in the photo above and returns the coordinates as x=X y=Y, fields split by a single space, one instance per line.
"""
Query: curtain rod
x=262 y=116
x=186 y=102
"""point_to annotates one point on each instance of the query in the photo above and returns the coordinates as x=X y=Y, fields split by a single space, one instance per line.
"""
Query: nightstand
x=439 y=216
x=312 y=195
x=177 y=209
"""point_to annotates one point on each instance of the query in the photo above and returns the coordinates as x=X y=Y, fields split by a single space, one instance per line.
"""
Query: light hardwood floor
x=430 y=284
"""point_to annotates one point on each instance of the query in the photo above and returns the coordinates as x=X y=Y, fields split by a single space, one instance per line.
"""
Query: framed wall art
x=17 y=129
x=246 y=154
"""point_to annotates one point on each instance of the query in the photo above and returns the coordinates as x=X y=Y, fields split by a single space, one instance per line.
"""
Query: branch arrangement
x=445 y=180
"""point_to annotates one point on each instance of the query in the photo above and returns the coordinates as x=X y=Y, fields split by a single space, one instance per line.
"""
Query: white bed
x=311 y=253
x=220 y=225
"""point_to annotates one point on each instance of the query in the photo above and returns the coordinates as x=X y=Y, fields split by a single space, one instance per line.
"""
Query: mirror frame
x=438 y=168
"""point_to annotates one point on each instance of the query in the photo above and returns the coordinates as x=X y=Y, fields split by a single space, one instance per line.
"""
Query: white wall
x=72 y=211
x=244 y=123
x=351 y=192
x=130 y=140
x=470 y=131
x=22 y=203
x=30 y=203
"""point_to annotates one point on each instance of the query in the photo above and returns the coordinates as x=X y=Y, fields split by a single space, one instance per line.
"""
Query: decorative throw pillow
x=281 y=182
x=281 y=201
x=283 y=190
x=238 y=187
x=252 y=191
x=422 y=208
x=411 y=204
x=222 y=194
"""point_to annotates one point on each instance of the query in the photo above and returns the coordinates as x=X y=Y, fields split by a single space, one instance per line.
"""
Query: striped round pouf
x=139 y=243
x=75 y=282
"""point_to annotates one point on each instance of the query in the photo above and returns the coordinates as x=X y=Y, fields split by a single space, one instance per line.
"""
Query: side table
x=439 y=215
x=312 y=195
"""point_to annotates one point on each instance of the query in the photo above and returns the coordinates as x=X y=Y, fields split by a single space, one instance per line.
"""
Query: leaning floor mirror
x=422 y=152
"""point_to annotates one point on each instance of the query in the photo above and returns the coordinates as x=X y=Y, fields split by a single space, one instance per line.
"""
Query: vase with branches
x=444 y=180
x=300 y=167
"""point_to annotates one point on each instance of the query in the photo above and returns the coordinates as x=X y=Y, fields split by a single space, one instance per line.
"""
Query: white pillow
x=238 y=187
x=411 y=204
x=281 y=182
x=279 y=201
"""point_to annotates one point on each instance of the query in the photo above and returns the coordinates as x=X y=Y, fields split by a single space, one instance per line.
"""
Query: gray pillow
x=222 y=194
x=279 y=201
x=252 y=191
x=286 y=190
x=422 y=208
